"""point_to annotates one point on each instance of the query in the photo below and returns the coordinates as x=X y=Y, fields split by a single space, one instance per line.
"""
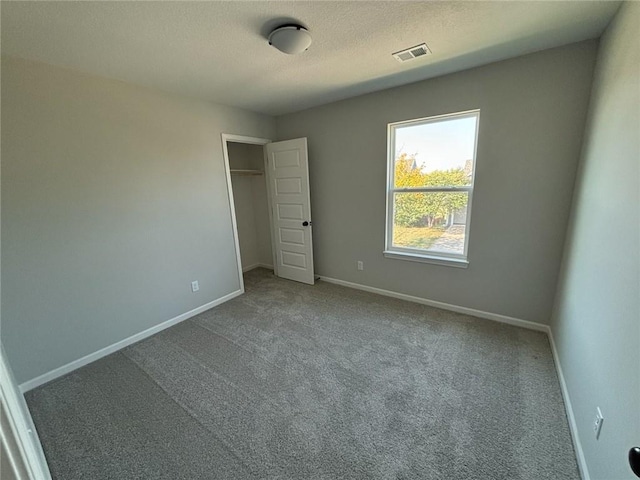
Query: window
x=430 y=175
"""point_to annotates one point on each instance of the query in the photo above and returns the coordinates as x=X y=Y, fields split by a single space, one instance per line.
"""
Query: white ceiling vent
x=412 y=53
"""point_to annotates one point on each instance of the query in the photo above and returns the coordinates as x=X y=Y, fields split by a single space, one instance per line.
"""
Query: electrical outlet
x=195 y=286
x=360 y=265
x=597 y=423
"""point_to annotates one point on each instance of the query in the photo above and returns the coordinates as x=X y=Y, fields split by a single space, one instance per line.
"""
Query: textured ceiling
x=217 y=50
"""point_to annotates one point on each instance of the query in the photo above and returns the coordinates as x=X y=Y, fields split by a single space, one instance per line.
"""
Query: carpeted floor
x=291 y=381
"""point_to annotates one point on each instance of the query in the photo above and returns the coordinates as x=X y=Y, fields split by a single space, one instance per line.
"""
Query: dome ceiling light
x=291 y=39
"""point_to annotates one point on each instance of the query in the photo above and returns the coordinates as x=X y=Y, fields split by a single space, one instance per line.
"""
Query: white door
x=288 y=178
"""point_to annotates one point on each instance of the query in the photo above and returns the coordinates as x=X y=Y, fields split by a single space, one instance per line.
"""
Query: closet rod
x=235 y=171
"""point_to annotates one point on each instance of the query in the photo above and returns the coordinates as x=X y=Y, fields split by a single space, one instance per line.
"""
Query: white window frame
x=415 y=254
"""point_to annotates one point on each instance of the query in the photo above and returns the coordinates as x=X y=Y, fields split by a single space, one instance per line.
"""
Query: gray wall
x=596 y=323
x=533 y=110
x=114 y=199
x=6 y=469
x=250 y=198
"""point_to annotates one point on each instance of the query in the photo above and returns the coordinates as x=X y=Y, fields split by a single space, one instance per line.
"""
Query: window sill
x=436 y=260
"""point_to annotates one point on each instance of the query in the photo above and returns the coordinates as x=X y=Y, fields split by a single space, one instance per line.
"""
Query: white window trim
x=418 y=255
x=423 y=258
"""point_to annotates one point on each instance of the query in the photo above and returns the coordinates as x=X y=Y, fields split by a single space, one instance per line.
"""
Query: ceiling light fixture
x=291 y=39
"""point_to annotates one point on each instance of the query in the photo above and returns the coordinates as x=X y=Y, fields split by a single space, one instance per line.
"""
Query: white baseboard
x=256 y=265
x=445 y=306
x=573 y=426
x=92 y=357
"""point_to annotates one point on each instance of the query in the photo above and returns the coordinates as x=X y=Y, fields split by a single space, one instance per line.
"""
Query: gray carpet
x=291 y=381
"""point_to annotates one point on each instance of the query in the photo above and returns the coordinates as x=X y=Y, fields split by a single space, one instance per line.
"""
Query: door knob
x=634 y=460
x=306 y=224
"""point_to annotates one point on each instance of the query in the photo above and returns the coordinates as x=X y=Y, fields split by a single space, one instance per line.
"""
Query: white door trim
x=228 y=137
x=21 y=434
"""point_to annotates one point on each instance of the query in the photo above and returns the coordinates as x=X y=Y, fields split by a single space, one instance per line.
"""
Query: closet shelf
x=237 y=171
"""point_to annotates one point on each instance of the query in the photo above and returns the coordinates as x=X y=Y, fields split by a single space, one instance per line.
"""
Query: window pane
x=438 y=153
x=432 y=221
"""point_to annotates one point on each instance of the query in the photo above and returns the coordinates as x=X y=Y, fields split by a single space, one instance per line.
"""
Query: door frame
x=18 y=435
x=228 y=137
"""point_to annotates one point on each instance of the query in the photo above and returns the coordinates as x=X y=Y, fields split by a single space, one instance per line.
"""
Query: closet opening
x=268 y=186
x=249 y=202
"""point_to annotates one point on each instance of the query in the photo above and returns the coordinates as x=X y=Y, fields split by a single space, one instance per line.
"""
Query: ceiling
x=218 y=50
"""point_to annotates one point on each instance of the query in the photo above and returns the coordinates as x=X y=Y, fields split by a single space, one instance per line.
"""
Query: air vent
x=412 y=53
